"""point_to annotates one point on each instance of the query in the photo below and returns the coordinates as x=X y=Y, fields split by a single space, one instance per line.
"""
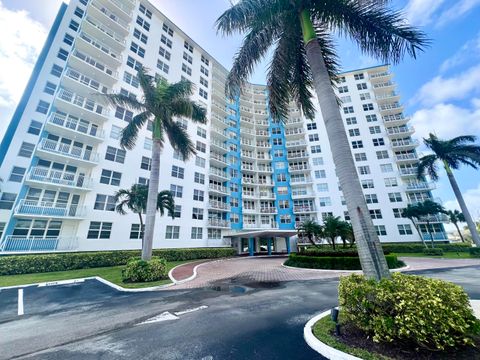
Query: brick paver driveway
x=270 y=269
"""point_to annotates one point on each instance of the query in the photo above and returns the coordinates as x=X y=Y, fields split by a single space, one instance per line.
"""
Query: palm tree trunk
x=429 y=229
x=333 y=244
x=152 y=201
x=370 y=251
x=459 y=232
x=142 y=230
x=419 y=233
x=463 y=206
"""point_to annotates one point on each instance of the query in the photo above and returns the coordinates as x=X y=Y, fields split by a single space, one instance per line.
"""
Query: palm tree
x=332 y=228
x=455 y=217
x=305 y=58
x=309 y=229
x=452 y=153
x=413 y=213
x=346 y=234
x=426 y=210
x=162 y=103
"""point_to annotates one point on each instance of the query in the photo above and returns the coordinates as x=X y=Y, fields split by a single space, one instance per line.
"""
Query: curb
x=320 y=347
x=340 y=272
x=178 y=282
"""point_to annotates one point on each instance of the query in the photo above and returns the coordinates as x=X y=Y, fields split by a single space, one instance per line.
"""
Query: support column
x=269 y=246
x=287 y=243
x=251 y=246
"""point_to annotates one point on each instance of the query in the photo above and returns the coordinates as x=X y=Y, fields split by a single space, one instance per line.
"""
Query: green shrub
x=335 y=263
x=433 y=252
x=475 y=252
x=429 y=313
x=138 y=270
x=27 y=264
x=333 y=253
x=418 y=247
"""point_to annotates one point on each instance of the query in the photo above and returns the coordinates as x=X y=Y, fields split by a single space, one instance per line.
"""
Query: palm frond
x=166 y=202
x=125 y=101
x=179 y=138
x=148 y=85
x=461 y=140
x=130 y=132
x=181 y=89
x=199 y=113
x=428 y=164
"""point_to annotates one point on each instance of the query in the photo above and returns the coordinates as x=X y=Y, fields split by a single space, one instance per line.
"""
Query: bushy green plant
x=138 y=270
x=27 y=264
x=433 y=252
x=475 y=252
x=429 y=313
x=335 y=262
x=418 y=247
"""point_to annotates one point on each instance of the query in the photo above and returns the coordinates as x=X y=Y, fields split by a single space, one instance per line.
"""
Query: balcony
x=218 y=159
x=13 y=243
x=406 y=157
x=217 y=173
x=380 y=75
x=436 y=236
x=248 y=167
x=295 y=143
x=46 y=209
x=105 y=34
x=263 y=144
x=302 y=194
x=219 y=145
x=98 y=49
x=267 y=195
x=249 y=194
x=419 y=186
x=219 y=132
x=247 y=180
x=218 y=189
x=93 y=68
x=54 y=179
x=293 y=122
x=303 y=208
x=409 y=144
x=443 y=218
x=303 y=180
x=392 y=107
x=110 y=19
x=272 y=225
x=120 y=7
x=408 y=172
x=297 y=155
x=264 y=169
x=219 y=223
x=81 y=106
x=262 y=133
x=386 y=85
x=83 y=84
x=264 y=123
x=395 y=119
x=394 y=132
x=268 y=210
x=299 y=168
x=72 y=127
x=58 y=151
x=218 y=205
x=299 y=132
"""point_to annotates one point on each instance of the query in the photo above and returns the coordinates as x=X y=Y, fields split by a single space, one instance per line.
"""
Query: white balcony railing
x=268 y=210
x=55 y=177
x=68 y=150
x=37 y=208
x=100 y=46
x=303 y=208
x=82 y=102
x=219 y=223
x=14 y=243
x=215 y=171
x=85 y=80
x=405 y=143
x=406 y=157
x=215 y=204
x=109 y=32
x=113 y=17
x=95 y=63
x=219 y=188
x=76 y=125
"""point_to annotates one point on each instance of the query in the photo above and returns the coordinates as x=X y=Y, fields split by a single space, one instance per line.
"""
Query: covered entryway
x=262 y=242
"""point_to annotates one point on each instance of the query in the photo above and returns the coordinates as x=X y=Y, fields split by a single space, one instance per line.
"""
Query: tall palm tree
x=135 y=200
x=161 y=103
x=452 y=153
x=413 y=213
x=305 y=58
x=309 y=229
x=455 y=217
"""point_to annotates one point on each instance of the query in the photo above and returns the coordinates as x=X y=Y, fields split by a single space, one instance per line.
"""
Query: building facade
x=252 y=181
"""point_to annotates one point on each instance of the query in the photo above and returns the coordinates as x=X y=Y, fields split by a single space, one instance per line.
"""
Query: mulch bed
x=354 y=337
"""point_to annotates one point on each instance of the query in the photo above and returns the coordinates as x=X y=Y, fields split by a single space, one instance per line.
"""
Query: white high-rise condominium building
x=252 y=180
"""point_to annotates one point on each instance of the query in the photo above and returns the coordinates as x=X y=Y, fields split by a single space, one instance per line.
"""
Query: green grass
x=112 y=274
x=446 y=255
x=323 y=330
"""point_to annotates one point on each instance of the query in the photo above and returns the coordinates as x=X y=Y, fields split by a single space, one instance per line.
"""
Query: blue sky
x=441 y=89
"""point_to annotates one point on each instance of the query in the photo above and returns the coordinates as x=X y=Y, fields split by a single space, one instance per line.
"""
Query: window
x=316 y=149
x=382 y=154
x=342 y=89
x=364 y=170
x=167 y=29
x=143 y=23
x=375 y=130
x=74 y=25
x=164 y=53
x=317 y=161
x=205 y=60
x=367 y=184
x=341 y=80
x=311 y=126
x=277 y=141
x=359 y=76
x=395 y=197
x=176 y=190
x=145 y=11
x=99 y=230
x=165 y=41
x=201 y=147
x=376 y=214
x=198 y=195
x=123 y=114
x=177 y=211
x=199 y=178
x=56 y=70
x=282 y=177
x=140 y=36
x=381 y=231
x=351 y=120
x=320 y=174
x=26 y=150
x=404 y=229
x=354 y=132
x=348 y=110
x=62 y=54
x=201 y=132
x=197 y=213
x=378 y=142
x=116 y=132
x=391 y=182
x=163 y=66
x=322 y=187
x=104 y=202
x=386 y=168
x=397 y=212
x=135 y=232
x=371 y=199
x=178 y=172
x=187 y=58
x=357 y=144
x=35 y=127
x=197 y=233
x=42 y=107
x=134 y=47
x=148 y=144
x=78 y=12
x=183 y=123
x=172 y=232
x=361 y=157
x=114 y=154
x=68 y=39
x=143 y=181
x=110 y=177
x=365 y=96
x=313 y=137
x=367 y=107
x=203 y=70
x=130 y=79
x=7 y=200
x=134 y=64
x=371 y=118
x=186 y=69
x=325 y=201
x=187 y=46
x=17 y=174
x=146 y=163
x=203 y=93
x=362 y=86
x=200 y=161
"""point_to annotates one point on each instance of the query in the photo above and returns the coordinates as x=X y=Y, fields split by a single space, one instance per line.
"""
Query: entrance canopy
x=261 y=233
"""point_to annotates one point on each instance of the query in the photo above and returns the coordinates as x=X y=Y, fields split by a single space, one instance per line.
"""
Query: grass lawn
x=446 y=255
x=112 y=274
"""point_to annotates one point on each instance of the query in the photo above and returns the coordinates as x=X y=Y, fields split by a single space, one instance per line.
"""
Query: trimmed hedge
x=39 y=263
x=332 y=253
x=138 y=270
x=335 y=262
x=433 y=252
x=475 y=252
x=418 y=247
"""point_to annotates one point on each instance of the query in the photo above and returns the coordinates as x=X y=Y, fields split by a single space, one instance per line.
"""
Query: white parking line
x=178 y=313
x=61 y=282
x=165 y=316
x=20 y=302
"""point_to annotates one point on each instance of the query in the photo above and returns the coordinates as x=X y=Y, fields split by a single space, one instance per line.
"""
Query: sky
x=440 y=89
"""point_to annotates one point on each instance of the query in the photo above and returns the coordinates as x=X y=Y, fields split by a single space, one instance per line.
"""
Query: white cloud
x=421 y=12
x=470 y=50
x=472 y=199
x=457 y=87
x=458 y=10
x=22 y=41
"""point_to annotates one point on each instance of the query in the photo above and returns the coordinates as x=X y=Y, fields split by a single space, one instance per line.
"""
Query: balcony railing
x=379 y=74
x=403 y=143
x=436 y=236
x=100 y=46
x=14 y=243
x=85 y=80
x=420 y=186
x=219 y=188
x=297 y=155
x=404 y=157
x=383 y=85
x=68 y=150
x=56 y=177
x=109 y=32
x=394 y=106
x=296 y=143
x=298 y=168
x=37 y=208
x=303 y=208
x=76 y=125
x=219 y=223
x=122 y=23
x=400 y=131
x=214 y=171
x=82 y=102
x=214 y=204
x=94 y=63
x=268 y=210
x=409 y=171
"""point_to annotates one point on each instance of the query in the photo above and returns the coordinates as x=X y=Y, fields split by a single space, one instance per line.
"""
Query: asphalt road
x=235 y=319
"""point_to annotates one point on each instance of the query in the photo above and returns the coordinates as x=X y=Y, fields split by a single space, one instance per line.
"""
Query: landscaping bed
x=335 y=262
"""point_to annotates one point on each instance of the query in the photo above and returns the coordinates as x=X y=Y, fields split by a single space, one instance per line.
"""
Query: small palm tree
x=332 y=228
x=309 y=229
x=346 y=234
x=162 y=103
x=451 y=154
x=304 y=58
x=426 y=210
x=455 y=217
x=413 y=213
x=135 y=200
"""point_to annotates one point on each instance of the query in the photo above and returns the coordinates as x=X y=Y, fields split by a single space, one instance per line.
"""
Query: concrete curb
x=320 y=347
x=340 y=272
